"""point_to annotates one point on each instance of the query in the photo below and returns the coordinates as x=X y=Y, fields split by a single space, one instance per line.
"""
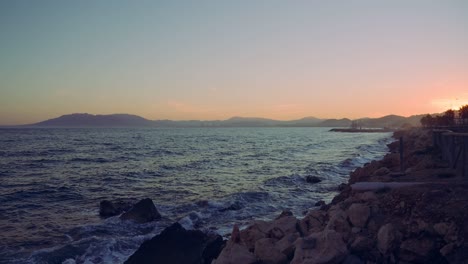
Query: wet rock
x=387 y=238
x=313 y=179
x=358 y=214
x=142 y=212
x=267 y=252
x=322 y=247
x=320 y=203
x=111 y=208
x=177 y=245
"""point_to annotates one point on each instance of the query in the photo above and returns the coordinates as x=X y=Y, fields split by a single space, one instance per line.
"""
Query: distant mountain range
x=126 y=120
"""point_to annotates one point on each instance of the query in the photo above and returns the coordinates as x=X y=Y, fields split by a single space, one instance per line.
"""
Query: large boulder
x=175 y=245
x=268 y=253
x=312 y=179
x=142 y=212
x=358 y=214
x=257 y=230
x=320 y=248
x=388 y=238
x=312 y=222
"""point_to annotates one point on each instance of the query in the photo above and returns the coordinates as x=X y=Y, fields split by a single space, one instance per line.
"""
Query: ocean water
x=52 y=180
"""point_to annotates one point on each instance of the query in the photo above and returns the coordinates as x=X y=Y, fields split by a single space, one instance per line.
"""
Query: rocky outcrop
x=312 y=179
x=414 y=223
x=175 y=245
x=142 y=212
x=112 y=208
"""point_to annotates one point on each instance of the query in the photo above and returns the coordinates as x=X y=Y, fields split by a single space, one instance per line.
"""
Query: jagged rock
x=358 y=214
x=387 y=238
x=312 y=222
x=284 y=213
x=286 y=244
x=313 y=179
x=322 y=247
x=267 y=252
x=234 y=252
x=367 y=196
x=177 y=245
x=111 y=208
x=259 y=229
x=416 y=250
x=142 y=212
x=283 y=226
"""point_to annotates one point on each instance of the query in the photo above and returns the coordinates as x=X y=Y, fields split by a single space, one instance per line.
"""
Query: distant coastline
x=127 y=120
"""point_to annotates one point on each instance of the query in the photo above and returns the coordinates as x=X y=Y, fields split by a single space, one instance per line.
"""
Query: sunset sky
x=217 y=59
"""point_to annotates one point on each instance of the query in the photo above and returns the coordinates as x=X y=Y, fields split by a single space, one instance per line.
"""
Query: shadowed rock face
x=142 y=212
x=175 y=245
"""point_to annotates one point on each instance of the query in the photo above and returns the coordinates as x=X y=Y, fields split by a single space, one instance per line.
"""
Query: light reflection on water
x=52 y=180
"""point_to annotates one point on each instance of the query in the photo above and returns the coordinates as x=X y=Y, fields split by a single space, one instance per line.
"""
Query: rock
x=282 y=226
x=361 y=244
x=447 y=249
x=259 y=229
x=284 y=213
x=111 y=208
x=322 y=247
x=367 y=196
x=338 y=222
x=177 y=245
x=267 y=252
x=358 y=214
x=382 y=171
x=234 y=252
x=387 y=238
x=312 y=222
x=352 y=259
x=313 y=179
x=320 y=203
x=286 y=244
x=142 y=212
x=441 y=228
x=416 y=250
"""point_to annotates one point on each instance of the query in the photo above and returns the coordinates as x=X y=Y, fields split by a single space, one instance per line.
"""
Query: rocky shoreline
x=383 y=215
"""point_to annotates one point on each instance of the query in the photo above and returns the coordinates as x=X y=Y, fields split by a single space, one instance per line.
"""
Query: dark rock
x=142 y=212
x=320 y=203
x=313 y=179
x=175 y=245
x=112 y=208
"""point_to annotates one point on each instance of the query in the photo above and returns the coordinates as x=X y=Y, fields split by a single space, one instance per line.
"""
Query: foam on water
x=209 y=179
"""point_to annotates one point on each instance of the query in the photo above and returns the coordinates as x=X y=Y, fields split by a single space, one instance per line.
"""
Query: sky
x=216 y=59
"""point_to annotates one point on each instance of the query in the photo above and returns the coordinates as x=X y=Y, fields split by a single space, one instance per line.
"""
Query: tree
x=448 y=119
x=463 y=112
x=427 y=121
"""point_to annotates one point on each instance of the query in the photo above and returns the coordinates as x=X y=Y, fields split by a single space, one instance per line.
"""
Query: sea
x=53 y=179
